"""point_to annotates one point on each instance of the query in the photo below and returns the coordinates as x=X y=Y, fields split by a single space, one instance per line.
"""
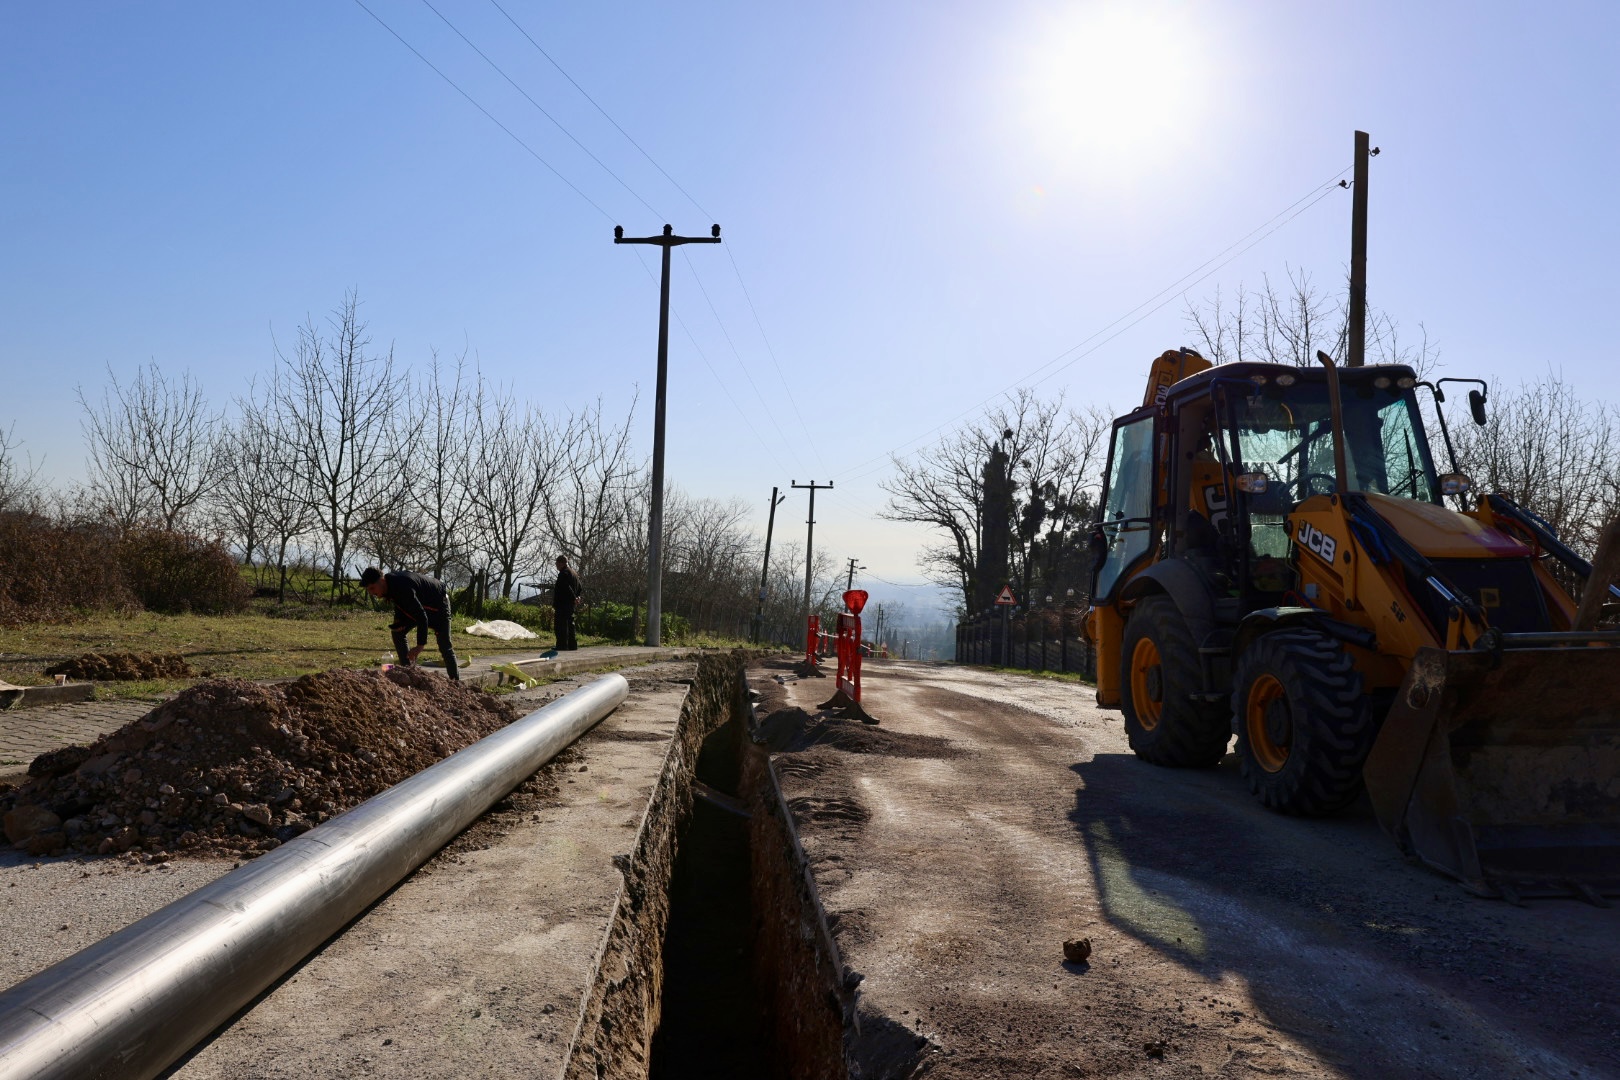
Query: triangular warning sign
x=1005 y=596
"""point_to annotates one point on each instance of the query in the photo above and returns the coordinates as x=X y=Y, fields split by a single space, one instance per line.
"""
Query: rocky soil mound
x=232 y=767
x=128 y=666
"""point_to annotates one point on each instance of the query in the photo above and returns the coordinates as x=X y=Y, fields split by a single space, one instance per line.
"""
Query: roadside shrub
x=608 y=619
x=49 y=569
x=175 y=573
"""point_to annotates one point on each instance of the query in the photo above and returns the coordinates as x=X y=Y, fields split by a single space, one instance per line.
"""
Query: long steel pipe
x=132 y=1003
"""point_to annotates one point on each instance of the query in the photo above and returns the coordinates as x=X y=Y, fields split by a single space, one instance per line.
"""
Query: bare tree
x=19 y=483
x=512 y=460
x=247 y=458
x=711 y=560
x=437 y=444
x=152 y=447
x=1552 y=452
x=263 y=498
x=1288 y=325
x=588 y=501
x=1056 y=457
x=336 y=402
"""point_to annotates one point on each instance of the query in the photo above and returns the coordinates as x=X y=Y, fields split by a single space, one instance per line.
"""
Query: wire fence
x=1041 y=639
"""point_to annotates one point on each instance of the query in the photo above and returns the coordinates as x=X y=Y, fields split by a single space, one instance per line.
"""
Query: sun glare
x=1111 y=90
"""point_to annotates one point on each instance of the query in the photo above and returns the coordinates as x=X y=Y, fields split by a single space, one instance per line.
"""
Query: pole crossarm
x=668 y=239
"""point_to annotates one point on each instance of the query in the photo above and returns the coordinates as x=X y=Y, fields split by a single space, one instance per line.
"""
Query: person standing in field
x=565 y=599
x=419 y=601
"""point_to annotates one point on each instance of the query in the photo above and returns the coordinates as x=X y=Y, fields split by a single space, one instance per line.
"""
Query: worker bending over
x=419 y=601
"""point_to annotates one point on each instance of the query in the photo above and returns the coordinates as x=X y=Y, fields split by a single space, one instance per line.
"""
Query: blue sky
x=925 y=202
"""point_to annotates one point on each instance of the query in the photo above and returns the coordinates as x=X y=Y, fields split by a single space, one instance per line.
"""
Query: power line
x=541 y=108
x=746 y=373
x=771 y=352
x=736 y=269
x=758 y=439
x=472 y=101
x=603 y=111
x=904 y=584
x=1310 y=199
x=684 y=328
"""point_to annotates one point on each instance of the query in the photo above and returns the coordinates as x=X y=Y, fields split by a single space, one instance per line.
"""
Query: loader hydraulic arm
x=1504 y=507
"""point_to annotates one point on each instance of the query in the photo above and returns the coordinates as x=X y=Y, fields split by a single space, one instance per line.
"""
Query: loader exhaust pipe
x=129 y=1005
x=1339 y=471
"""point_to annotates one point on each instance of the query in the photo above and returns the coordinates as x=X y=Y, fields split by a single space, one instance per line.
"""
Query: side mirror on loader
x=1476 y=405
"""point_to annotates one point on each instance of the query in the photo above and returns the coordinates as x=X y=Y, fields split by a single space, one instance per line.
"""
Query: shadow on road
x=1362 y=958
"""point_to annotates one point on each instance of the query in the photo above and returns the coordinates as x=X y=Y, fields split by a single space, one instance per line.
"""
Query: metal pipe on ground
x=134 y=1002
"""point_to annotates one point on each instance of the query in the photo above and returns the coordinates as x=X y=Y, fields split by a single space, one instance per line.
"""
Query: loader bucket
x=1502 y=768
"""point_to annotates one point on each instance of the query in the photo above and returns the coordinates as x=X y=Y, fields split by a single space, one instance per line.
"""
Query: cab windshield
x=1286 y=434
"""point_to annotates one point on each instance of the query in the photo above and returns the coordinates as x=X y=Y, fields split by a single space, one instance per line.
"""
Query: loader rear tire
x=1303 y=725
x=1158 y=675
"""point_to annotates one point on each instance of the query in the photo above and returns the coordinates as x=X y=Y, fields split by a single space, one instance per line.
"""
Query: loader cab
x=1279 y=430
x=1212 y=473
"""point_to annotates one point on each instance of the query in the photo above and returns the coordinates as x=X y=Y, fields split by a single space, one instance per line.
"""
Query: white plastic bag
x=503 y=629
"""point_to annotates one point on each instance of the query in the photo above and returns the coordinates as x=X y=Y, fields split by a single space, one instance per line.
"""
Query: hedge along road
x=1227 y=940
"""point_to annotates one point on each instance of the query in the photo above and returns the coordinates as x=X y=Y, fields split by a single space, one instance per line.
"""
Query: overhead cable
x=636 y=195
x=1146 y=308
x=603 y=111
x=787 y=387
x=473 y=101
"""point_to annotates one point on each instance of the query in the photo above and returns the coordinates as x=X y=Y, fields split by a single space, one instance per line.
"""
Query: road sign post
x=1006 y=601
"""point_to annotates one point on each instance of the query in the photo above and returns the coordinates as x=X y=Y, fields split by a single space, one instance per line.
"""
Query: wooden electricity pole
x=655 y=523
x=1356 y=355
x=765 y=571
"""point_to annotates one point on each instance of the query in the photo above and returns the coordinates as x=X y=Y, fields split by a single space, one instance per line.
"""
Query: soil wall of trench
x=799 y=982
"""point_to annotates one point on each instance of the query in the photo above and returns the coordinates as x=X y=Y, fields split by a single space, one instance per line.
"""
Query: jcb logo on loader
x=1316 y=541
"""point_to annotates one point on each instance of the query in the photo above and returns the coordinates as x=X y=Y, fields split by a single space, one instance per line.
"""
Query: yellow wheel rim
x=1147 y=682
x=1268 y=723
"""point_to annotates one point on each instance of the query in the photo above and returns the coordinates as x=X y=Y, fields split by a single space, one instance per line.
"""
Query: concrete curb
x=28 y=696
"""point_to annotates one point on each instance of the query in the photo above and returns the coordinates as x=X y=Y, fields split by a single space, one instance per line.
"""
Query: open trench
x=702 y=951
x=719 y=962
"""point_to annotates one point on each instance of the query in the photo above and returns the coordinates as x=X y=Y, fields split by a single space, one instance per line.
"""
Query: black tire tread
x=1190 y=734
x=1330 y=710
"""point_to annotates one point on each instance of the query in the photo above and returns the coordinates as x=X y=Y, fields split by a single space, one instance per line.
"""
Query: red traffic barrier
x=814 y=643
x=846 y=697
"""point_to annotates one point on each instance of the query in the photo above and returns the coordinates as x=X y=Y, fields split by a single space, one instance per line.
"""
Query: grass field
x=263 y=643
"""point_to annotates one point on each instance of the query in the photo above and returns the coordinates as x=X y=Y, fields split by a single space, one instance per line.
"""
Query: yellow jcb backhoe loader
x=1276 y=561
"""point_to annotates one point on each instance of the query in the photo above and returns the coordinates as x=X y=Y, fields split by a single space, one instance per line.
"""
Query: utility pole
x=655 y=524
x=850 y=584
x=1356 y=355
x=810 y=536
x=765 y=571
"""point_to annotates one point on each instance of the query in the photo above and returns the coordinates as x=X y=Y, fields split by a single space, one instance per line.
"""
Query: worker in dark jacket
x=419 y=601
x=565 y=598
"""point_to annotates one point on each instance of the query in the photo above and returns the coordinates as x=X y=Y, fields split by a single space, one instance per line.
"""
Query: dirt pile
x=233 y=767
x=128 y=666
x=792 y=730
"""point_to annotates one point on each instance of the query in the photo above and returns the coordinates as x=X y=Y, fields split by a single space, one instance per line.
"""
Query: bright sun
x=1112 y=90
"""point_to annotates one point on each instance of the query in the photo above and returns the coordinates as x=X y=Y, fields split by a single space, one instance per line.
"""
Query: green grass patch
x=1055 y=676
x=269 y=641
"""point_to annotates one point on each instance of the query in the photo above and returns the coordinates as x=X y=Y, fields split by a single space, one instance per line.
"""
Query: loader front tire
x=1158 y=676
x=1303 y=726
